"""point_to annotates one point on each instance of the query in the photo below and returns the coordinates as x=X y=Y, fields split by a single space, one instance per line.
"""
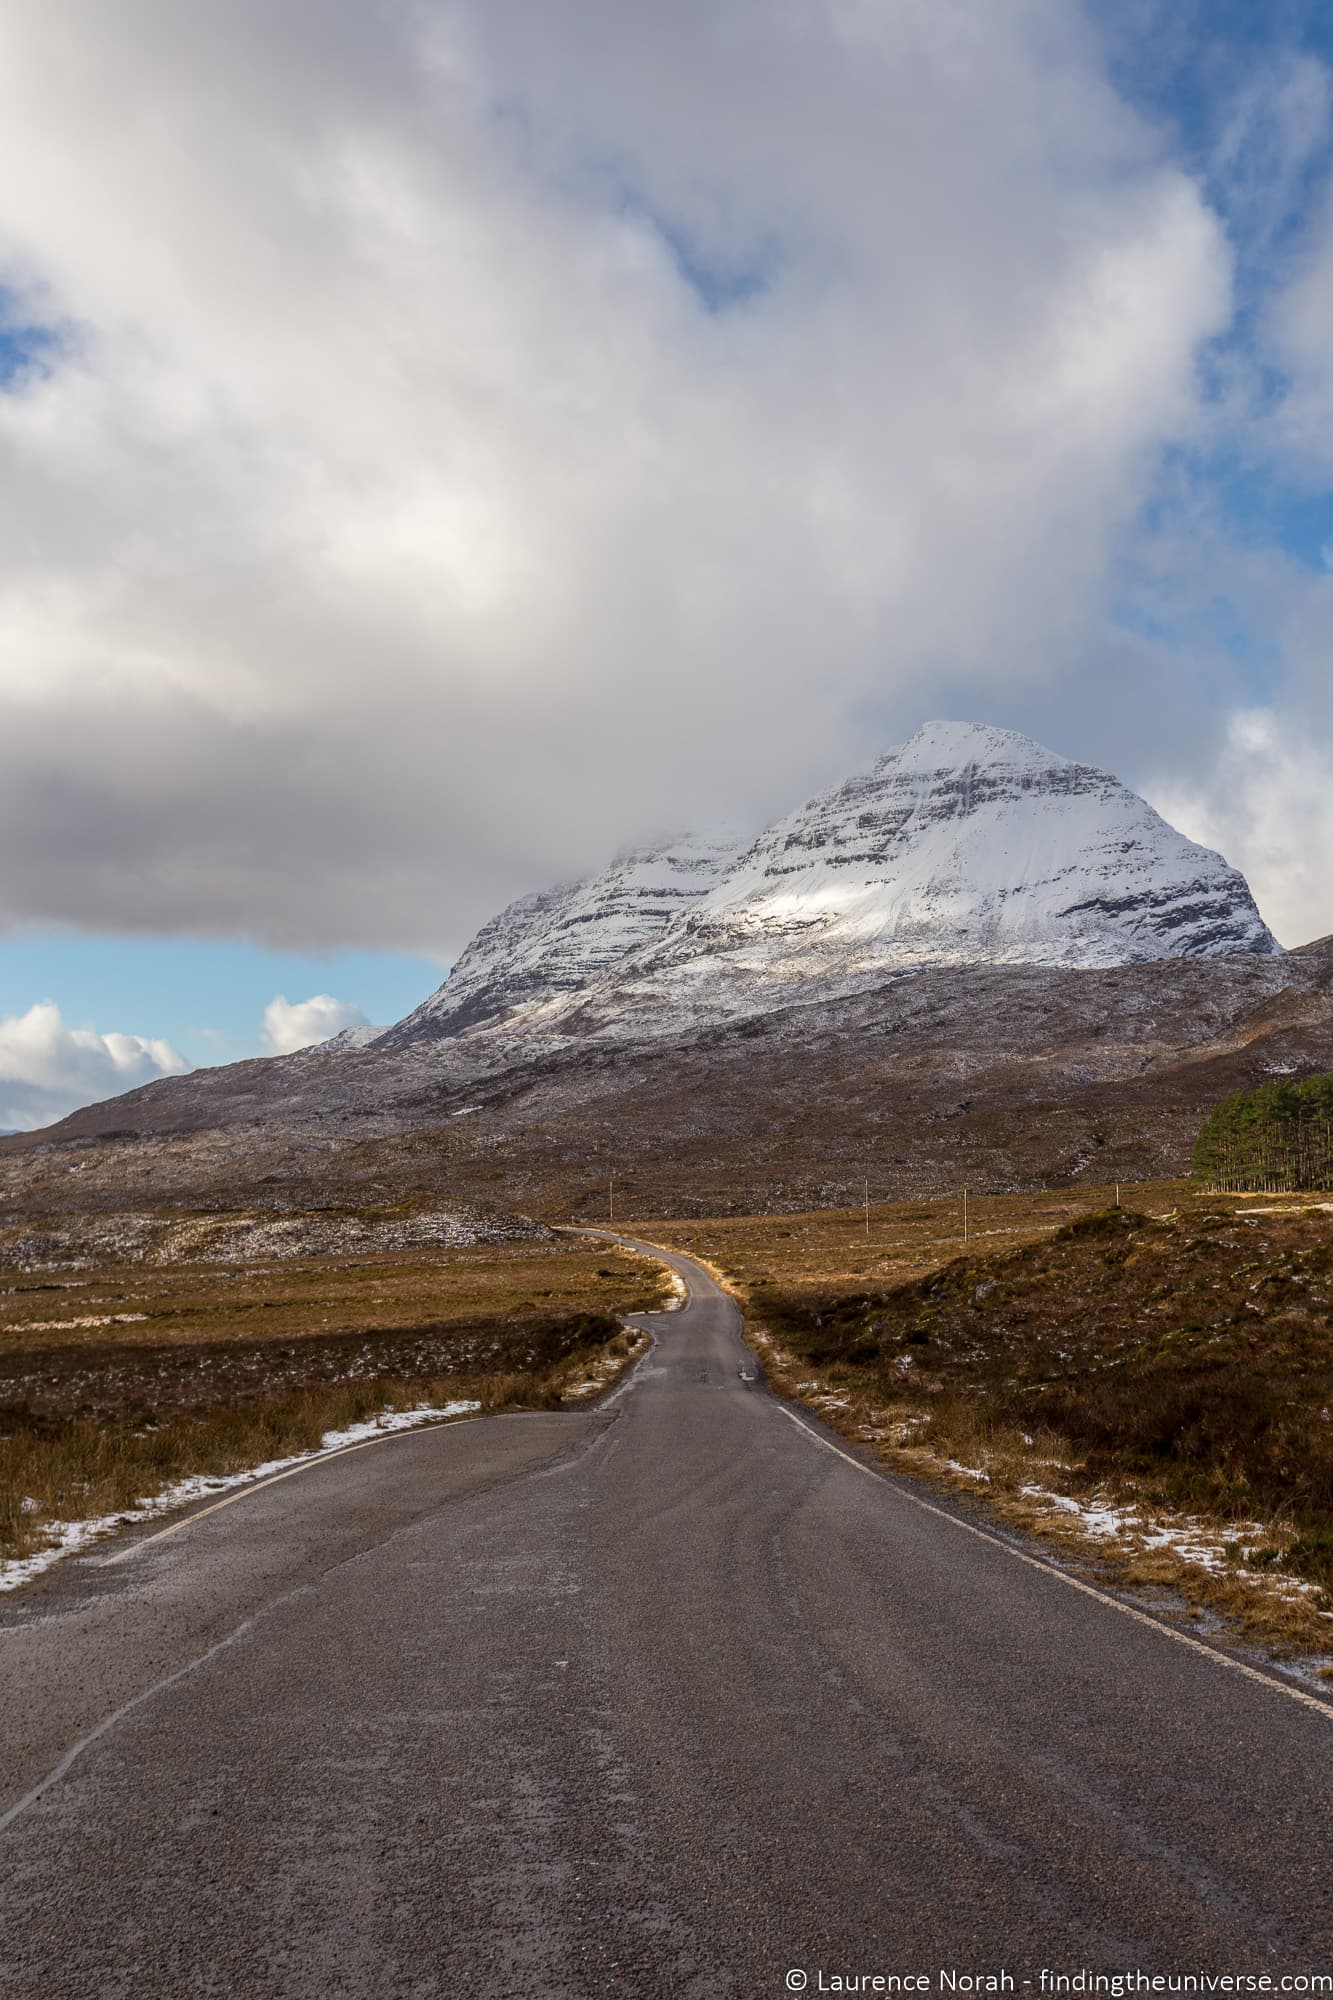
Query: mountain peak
x=966 y=845
x=939 y=746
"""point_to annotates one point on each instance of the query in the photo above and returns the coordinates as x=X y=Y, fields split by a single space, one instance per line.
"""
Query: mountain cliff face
x=968 y=845
x=545 y=947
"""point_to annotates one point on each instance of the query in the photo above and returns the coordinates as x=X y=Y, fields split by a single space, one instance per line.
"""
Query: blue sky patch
x=207 y=996
x=719 y=287
x=22 y=345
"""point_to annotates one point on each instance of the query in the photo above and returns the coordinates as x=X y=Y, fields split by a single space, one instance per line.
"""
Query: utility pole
x=965 y=1223
x=1117 y=1194
x=867 y=1208
x=611 y=1199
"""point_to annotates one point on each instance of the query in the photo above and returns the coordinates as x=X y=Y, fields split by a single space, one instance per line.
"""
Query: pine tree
x=1277 y=1139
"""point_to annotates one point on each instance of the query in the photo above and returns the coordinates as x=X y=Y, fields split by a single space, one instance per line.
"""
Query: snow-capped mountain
x=547 y=946
x=967 y=845
x=970 y=845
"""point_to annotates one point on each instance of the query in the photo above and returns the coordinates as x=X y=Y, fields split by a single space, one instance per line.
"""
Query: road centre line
x=1320 y=1707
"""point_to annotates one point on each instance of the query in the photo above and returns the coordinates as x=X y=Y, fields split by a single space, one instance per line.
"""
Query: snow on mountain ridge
x=543 y=947
x=968 y=844
x=939 y=746
x=358 y=1036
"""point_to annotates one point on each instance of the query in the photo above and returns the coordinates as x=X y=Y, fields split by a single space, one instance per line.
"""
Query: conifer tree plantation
x=1274 y=1140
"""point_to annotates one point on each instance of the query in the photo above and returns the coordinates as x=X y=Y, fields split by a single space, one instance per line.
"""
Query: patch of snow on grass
x=603 y=1373
x=88 y=1319
x=1191 y=1540
x=1273 y=1212
x=68 y=1537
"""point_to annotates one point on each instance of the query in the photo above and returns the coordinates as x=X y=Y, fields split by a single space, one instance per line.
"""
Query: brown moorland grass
x=214 y=1370
x=1170 y=1359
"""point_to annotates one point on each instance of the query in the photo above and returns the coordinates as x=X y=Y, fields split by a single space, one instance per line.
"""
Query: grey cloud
x=402 y=524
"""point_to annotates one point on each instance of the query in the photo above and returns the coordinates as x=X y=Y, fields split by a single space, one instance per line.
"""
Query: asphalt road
x=667 y=1698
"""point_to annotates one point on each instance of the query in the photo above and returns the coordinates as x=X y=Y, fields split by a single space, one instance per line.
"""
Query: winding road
x=670 y=1697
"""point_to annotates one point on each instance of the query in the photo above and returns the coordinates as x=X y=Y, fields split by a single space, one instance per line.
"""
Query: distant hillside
x=987 y=1076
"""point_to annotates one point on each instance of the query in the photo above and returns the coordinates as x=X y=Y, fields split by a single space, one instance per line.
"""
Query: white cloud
x=1268 y=806
x=48 y=1069
x=298 y=1024
x=400 y=525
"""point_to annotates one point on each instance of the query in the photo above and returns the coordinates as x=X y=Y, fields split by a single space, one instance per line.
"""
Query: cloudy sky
x=442 y=440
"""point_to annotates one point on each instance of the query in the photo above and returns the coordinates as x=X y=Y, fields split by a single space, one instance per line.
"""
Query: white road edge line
x=1313 y=1701
x=244 y=1492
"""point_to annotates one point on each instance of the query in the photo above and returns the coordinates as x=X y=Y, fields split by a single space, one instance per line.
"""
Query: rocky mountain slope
x=547 y=946
x=357 y=1037
x=977 y=1076
x=968 y=845
x=971 y=845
